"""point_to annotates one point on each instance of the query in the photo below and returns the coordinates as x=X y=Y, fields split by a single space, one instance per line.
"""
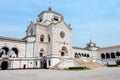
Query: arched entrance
x=4 y=65
x=64 y=51
x=43 y=63
x=118 y=62
x=41 y=54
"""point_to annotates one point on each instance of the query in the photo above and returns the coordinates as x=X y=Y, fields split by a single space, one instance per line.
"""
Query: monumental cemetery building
x=48 y=44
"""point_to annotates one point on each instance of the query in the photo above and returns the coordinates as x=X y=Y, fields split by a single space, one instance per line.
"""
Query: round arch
x=85 y=55
x=42 y=38
x=107 y=56
x=42 y=51
x=88 y=55
x=4 y=65
x=117 y=54
x=4 y=51
x=64 y=51
x=102 y=56
x=14 y=52
x=49 y=39
x=112 y=55
x=79 y=54
x=76 y=55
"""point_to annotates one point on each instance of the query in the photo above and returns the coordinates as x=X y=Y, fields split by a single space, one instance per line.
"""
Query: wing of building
x=48 y=44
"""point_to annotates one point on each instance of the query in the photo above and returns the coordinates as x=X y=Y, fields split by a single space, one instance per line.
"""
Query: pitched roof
x=79 y=48
x=49 y=11
x=11 y=39
x=109 y=47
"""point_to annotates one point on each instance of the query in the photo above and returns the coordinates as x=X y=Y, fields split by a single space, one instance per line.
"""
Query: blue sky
x=98 y=20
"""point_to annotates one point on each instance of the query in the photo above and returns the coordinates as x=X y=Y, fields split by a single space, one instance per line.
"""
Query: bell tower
x=47 y=17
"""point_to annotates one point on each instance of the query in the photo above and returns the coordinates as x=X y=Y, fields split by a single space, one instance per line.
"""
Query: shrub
x=78 y=68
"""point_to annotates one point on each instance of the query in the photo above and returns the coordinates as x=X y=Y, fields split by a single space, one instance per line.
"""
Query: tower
x=47 y=17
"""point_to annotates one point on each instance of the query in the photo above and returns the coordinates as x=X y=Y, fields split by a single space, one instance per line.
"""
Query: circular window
x=62 y=34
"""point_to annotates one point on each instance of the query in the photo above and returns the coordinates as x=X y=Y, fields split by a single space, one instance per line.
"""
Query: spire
x=49 y=8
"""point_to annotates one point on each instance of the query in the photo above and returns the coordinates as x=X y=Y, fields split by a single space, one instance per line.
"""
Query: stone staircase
x=56 y=66
x=89 y=63
x=62 y=60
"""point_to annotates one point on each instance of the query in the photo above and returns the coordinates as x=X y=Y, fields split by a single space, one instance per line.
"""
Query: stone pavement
x=39 y=74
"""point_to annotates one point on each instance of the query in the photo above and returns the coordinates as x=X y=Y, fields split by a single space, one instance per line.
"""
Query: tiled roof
x=49 y=11
x=109 y=47
x=11 y=39
x=80 y=48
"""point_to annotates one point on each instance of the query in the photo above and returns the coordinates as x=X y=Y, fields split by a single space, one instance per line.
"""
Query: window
x=117 y=54
x=79 y=54
x=107 y=56
x=31 y=31
x=49 y=62
x=103 y=56
x=62 y=53
x=41 y=54
x=88 y=55
x=84 y=55
x=76 y=55
x=41 y=20
x=36 y=63
x=30 y=62
x=42 y=38
x=62 y=34
x=112 y=55
x=48 y=38
x=56 y=18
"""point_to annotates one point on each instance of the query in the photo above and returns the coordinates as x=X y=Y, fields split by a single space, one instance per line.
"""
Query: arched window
x=107 y=56
x=76 y=56
x=4 y=51
x=14 y=52
x=42 y=38
x=103 y=56
x=112 y=55
x=1 y=52
x=117 y=54
x=88 y=55
x=48 y=38
x=79 y=54
x=84 y=55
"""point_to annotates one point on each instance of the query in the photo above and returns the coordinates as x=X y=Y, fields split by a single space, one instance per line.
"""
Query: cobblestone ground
x=96 y=74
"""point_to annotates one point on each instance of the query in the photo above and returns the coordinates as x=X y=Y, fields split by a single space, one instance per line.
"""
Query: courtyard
x=43 y=74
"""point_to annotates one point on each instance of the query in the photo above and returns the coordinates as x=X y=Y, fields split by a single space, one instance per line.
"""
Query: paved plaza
x=96 y=74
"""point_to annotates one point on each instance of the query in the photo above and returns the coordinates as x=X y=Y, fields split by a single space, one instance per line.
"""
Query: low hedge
x=78 y=68
x=112 y=65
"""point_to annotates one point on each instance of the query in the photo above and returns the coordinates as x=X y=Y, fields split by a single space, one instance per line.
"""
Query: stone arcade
x=48 y=44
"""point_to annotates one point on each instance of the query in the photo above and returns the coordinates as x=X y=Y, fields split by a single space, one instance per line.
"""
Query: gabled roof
x=109 y=47
x=11 y=39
